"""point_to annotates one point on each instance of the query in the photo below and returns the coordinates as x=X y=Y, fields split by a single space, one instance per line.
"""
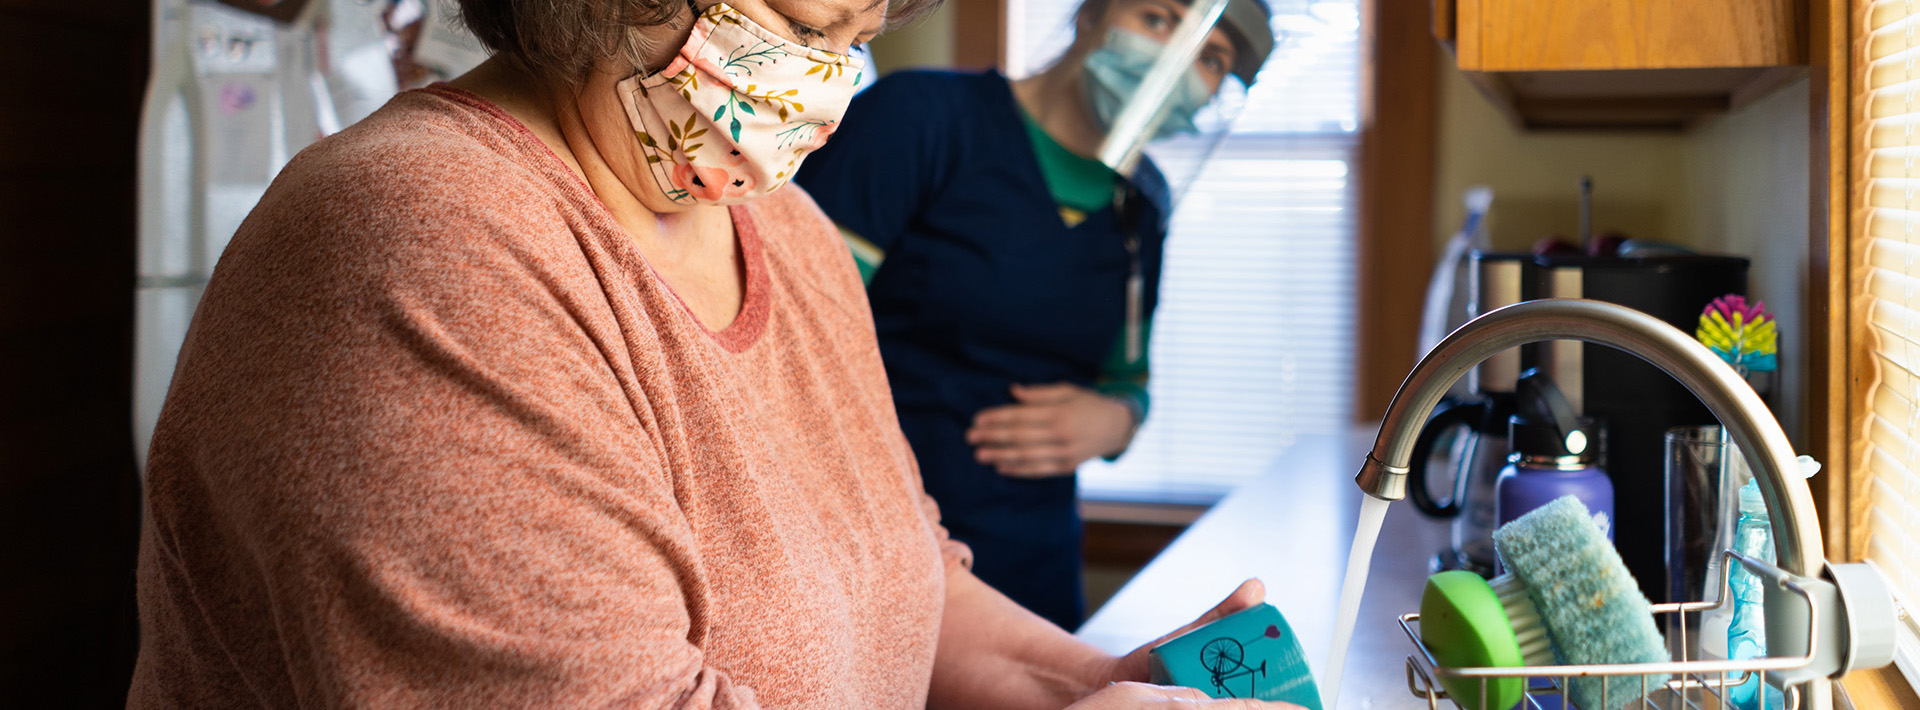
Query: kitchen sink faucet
x=1847 y=605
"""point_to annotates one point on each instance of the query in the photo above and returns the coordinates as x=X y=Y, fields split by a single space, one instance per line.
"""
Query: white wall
x=1747 y=183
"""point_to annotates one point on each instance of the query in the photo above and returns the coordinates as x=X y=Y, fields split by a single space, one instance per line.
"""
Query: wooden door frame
x=980 y=34
x=1827 y=315
x=1838 y=374
x=1399 y=122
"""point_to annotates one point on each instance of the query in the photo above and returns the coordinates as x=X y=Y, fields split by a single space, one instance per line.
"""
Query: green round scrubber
x=1462 y=623
x=1590 y=605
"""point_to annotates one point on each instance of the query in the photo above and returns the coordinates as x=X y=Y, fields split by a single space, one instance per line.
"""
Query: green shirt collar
x=1081 y=183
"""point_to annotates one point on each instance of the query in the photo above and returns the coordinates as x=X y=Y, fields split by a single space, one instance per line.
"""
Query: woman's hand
x=1141 y=696
x=1134 y=666
x=994 y=654
x=1049 y=430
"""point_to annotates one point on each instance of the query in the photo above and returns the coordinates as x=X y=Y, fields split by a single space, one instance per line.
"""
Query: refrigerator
x=238 y=88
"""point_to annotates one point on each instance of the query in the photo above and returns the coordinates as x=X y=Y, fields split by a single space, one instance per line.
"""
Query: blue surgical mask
x=1114 y=73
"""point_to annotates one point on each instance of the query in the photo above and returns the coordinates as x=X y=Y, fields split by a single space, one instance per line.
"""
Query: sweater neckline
x=756 y=302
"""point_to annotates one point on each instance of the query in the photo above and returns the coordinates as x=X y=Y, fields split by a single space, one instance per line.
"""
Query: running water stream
x=1373 y=512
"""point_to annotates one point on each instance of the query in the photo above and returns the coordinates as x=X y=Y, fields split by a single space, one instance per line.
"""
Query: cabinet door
x=1521 y=35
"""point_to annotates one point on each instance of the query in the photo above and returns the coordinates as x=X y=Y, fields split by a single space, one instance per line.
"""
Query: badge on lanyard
x=1136 y=280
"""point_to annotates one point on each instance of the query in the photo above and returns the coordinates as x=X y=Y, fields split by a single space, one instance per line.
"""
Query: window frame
x=1840 y=370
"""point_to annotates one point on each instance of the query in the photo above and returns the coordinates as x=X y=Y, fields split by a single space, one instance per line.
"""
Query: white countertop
x=1292 y=527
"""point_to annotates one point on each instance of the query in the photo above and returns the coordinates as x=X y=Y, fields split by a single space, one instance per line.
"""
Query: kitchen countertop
x=1292 y=527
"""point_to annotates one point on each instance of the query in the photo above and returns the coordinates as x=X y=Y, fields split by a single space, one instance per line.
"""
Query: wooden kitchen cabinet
x=1623 y=63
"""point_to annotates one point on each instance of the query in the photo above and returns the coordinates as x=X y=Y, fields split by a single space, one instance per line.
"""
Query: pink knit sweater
x=439 y=437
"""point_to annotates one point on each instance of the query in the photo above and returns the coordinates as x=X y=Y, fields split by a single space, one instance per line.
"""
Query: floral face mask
x=733 y=115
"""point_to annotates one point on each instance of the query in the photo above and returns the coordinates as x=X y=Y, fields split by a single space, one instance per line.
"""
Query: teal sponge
x=1590 y=605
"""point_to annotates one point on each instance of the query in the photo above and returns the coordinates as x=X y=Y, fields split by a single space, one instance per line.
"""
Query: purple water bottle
x=1553 y=455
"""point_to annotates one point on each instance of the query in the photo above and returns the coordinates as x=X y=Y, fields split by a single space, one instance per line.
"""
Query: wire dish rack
x=1691 y=685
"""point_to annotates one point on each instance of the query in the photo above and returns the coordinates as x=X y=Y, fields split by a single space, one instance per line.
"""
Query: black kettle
x=1475 y=433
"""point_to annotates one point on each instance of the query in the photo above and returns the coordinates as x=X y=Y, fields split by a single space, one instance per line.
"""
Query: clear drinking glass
x=1704 y=473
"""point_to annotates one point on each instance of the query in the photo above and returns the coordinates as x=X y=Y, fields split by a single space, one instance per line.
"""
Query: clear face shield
x=1171 y=75
x=1170 y=79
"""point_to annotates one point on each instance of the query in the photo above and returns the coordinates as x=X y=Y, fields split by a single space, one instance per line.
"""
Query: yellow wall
x=1735 y=184
x=1638 y=176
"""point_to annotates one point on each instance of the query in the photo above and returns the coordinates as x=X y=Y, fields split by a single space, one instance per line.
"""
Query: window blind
x=1885 y=287
x=1253 y=338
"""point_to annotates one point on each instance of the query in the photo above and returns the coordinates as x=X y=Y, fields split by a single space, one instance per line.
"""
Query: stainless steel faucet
x=1846 y=609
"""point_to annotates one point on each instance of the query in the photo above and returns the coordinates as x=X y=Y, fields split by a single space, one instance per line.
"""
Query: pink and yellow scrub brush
x=1741 y=333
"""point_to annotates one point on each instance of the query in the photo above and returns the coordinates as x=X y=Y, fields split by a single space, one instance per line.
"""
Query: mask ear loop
x=693 y=15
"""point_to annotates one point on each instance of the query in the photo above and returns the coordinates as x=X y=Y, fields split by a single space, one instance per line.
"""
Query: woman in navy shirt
x=998 y=254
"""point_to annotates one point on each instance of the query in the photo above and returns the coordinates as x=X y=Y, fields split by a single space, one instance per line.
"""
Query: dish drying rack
x=1692 y=684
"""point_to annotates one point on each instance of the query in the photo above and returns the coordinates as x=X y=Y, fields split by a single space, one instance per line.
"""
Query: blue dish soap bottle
x=1747 y=632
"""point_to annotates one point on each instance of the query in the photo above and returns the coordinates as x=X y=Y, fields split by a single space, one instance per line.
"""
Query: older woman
x=531 y=391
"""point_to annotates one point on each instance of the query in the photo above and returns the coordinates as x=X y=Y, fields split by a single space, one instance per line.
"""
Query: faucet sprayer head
x=1382 y=481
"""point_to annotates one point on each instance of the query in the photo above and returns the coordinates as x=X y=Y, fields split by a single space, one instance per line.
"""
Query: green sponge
x=1590 y=606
